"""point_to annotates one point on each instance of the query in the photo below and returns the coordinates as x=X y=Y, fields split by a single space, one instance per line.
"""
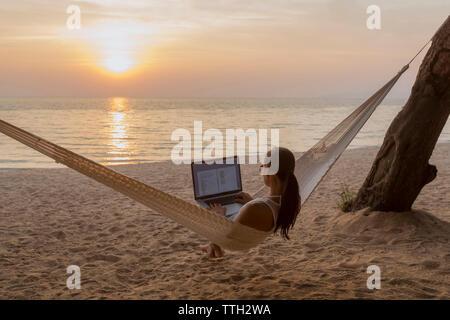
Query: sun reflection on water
x=119 y=151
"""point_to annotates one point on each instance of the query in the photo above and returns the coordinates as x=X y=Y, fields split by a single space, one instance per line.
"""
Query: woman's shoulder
x=266 y=202
x=260 y=200
x=256 y=214
x=258 y=203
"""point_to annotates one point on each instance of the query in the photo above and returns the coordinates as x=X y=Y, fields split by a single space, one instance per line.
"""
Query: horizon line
x=196 y=98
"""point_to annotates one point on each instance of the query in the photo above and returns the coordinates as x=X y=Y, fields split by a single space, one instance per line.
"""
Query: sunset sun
x=116 y=44
x=118 y=63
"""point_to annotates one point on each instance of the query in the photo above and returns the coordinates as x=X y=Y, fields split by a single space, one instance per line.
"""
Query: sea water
x=116 y=131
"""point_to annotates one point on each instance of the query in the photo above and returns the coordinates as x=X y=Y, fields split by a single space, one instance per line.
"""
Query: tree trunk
x=401 y=167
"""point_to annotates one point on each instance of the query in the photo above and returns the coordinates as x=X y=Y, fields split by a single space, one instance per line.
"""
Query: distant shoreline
x=297 y=153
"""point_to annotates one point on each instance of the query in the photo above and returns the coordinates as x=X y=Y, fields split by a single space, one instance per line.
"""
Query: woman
x=277 y=211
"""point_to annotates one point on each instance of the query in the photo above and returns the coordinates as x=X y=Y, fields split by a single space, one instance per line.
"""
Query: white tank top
x=274 y=207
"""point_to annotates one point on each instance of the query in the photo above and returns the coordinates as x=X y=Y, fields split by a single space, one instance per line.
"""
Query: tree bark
x=401 y=167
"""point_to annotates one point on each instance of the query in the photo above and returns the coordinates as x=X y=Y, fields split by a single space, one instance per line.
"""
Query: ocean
x=115 y=131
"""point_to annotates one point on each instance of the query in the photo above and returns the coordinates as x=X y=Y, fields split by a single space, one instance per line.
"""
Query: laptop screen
x=216 y=179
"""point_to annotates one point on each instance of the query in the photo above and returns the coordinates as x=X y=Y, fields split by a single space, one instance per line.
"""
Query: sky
x=211 y=48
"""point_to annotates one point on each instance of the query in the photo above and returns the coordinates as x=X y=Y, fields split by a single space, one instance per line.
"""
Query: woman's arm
x=243 y=198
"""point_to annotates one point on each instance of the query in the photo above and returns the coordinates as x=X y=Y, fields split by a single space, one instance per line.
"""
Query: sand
x=53 y=218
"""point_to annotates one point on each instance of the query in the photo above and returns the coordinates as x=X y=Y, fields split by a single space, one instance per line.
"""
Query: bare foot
x=212 y=250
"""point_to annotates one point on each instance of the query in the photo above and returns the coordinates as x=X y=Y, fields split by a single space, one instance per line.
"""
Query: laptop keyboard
x=222 y=201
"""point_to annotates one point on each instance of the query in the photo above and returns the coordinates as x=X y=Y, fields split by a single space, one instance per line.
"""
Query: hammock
x=311 y=167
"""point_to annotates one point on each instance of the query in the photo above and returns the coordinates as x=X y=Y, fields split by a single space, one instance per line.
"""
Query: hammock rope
x=311 y=167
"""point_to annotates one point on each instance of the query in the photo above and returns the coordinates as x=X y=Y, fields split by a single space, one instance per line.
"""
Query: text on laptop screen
x=215 y=179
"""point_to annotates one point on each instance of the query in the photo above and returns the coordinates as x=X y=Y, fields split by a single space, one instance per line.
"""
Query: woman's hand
x=217 y=208
x=243 y=198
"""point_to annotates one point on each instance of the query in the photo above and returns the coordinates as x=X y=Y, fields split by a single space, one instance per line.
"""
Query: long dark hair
x=290 y=198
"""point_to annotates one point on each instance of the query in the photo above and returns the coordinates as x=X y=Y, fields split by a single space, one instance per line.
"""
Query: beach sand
x=53 y=218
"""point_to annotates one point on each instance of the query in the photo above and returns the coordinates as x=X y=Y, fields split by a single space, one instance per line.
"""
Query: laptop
x=218 y=183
